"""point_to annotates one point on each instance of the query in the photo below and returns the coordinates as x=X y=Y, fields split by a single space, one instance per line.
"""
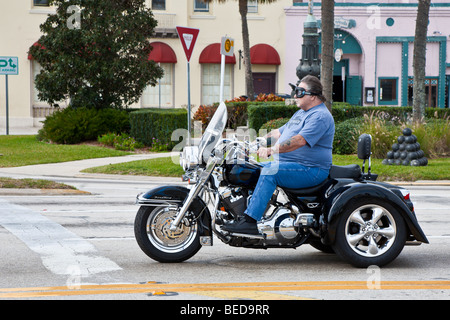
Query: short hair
x=314 y=86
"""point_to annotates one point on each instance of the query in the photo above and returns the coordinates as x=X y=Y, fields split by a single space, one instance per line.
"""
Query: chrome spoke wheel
x=370 y=230
x=160 y=235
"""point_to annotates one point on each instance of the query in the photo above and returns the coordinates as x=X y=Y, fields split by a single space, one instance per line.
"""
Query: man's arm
x=286 y=146
x=273 y=135
x=289 y=145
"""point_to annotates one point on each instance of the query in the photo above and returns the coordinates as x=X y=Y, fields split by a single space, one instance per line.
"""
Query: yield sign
x=188 y=36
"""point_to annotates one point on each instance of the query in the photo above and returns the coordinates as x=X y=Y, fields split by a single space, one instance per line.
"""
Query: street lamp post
x=310 y=62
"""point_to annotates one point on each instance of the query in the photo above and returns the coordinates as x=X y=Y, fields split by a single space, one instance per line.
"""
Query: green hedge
x=148 y=125
x=74 y=125
x=260 y=113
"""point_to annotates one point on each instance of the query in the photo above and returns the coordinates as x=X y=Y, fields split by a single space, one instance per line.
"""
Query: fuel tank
x=241 y=173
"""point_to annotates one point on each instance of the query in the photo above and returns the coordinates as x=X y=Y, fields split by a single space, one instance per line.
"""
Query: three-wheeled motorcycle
x=351 y=214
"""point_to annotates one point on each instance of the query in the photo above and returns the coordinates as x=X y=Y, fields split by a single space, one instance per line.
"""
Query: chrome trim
x=251 y=236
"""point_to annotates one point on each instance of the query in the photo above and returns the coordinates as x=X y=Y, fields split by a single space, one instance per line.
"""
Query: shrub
x=204 y=115
x=384 y=133
x=433 y=136
x=346 y=135
x=120 y=141
x=237 y=114
x=74 y=125
x=260 y=113
x=274 y=124
x=147 y=124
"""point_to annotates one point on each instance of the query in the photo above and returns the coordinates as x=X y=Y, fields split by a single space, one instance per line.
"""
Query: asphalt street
x=82 y=246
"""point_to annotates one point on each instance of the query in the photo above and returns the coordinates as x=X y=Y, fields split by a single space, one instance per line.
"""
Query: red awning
x=211 y=54
x=264 y=54
x=162 y=52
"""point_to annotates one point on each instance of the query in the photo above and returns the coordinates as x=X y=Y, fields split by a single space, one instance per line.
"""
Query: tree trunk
x=250 y=92
x=419 y=60
x=326 y=73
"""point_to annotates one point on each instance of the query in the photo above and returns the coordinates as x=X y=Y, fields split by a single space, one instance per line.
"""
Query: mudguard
x=175 y=195
x=336 y=200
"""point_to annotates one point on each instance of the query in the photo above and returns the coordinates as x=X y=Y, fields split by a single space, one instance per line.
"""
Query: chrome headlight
x=189 y=157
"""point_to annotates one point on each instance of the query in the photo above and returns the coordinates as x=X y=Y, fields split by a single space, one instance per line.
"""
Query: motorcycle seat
x=352 y=171
x=310 y=191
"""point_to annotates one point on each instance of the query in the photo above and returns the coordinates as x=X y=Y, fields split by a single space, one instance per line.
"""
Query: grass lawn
x=437 y=169
x=160 y=167
x=32 y=184
x=16 y=151
x=19 y=151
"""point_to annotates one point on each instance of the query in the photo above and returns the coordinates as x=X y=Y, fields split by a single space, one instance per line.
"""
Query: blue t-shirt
x=317 y=127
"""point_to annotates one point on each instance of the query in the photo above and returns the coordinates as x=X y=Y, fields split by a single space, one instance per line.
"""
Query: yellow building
x=20 y=29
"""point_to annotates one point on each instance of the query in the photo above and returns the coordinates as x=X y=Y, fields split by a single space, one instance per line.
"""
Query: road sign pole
x=189 y=102
x=8 y=66
x=226 y=49
x=188 y=37
x=222 y=76
x=7 y=106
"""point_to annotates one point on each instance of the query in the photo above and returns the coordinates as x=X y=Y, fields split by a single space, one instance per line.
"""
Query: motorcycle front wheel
x=152 y=232
x=370 y=232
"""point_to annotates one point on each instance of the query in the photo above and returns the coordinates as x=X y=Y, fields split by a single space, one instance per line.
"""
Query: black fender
x=175 y=195
x=336 y=202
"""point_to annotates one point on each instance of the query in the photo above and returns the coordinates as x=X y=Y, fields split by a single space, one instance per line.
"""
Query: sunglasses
x=301 y=92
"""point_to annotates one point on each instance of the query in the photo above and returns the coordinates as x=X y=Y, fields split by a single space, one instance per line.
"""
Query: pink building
x=374 y=50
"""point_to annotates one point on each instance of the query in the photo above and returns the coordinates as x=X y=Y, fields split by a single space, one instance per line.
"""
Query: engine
x=235 y=200
x=279 y=229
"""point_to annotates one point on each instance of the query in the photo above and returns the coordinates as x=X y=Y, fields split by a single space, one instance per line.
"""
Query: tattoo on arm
x=291 y=144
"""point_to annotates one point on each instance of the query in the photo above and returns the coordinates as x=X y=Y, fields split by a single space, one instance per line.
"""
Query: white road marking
x=61 y=251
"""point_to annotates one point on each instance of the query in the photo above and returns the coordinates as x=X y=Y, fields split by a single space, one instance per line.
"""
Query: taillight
x=405 y=194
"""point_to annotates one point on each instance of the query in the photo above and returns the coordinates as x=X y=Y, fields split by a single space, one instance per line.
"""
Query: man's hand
x=265 y=152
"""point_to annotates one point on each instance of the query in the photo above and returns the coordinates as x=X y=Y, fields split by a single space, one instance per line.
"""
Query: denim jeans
x=290 y=175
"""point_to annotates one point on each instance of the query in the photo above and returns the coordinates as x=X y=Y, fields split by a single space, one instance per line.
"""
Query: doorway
x=264 y=82
x=340 y=72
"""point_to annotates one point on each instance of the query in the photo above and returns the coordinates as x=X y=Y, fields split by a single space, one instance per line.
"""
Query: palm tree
x=243 y=10
x=326 y=72
x=419 y=59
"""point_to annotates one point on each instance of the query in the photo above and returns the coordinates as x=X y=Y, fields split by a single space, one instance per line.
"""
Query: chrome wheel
x=370 y=230
x=160 y=235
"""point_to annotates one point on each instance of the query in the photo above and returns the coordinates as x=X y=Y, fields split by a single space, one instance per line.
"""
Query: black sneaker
x=243 y=225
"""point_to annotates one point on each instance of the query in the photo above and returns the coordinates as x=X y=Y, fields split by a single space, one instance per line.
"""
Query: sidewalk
x=72 y=169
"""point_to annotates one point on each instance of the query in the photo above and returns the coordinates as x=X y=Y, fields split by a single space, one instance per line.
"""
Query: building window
x=36 y=69
x=160 y=95
x=40 y=3
x=431 y=90
x=387 y=92
x=211 y=83
x=252 y=6
x=200 y=6
x=159 y=4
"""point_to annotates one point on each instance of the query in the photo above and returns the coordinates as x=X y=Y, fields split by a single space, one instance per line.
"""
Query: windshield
x=213 y=132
